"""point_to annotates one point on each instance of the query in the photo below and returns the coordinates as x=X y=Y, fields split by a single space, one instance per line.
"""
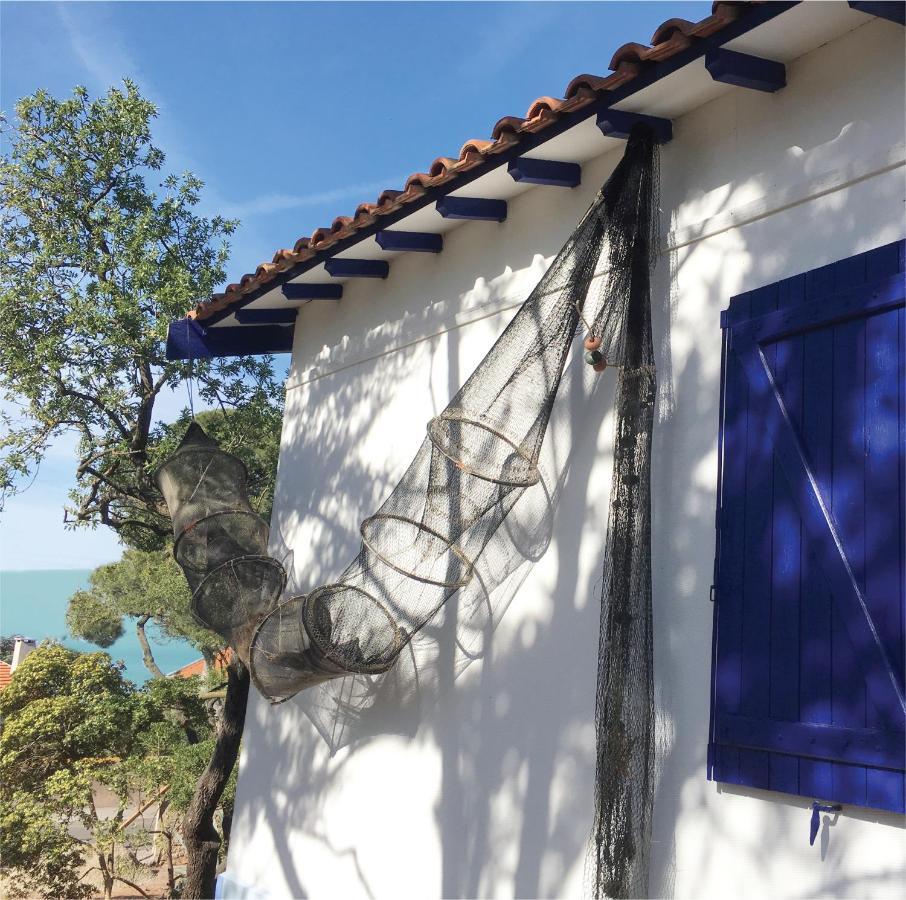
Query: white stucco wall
x=477 y=780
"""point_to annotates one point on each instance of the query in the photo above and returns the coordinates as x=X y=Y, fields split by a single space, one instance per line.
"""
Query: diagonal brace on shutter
x=824 y=536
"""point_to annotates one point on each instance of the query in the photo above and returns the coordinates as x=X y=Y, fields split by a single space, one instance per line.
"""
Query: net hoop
x=419 y=527
x=438 y=432
x=344 y=666
x=267 y=561
x=184 y=559
x=253 y=652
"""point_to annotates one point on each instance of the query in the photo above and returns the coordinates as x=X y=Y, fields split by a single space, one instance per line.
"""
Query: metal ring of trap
x=183 y=560
x=252 y=652
x=231 y=563
x=419 y=527
x=346 y=667
x=436 y=433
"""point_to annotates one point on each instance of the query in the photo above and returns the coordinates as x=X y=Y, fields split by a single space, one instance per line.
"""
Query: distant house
x=777 y=482
x=199 y=667
x=22 y=647
x=6 y=674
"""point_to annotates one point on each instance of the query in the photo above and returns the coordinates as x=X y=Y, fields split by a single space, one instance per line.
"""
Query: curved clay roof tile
x=340 y=223
x=475 y=145
x=301 y=244
x=321 y=237
x=265 y=272
x=543 y=105
x=388 y=197
x=285 y=259
x=441 y=166
x=587 y=82
x=666 y=30
x=417 y=182
x=632 y=53
x=507 y=129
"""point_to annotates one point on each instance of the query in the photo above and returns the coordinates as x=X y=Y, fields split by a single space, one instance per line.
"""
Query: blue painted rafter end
x=893 y=12
x=618 y=123
x=357 y=268
x=474 y=208
x=743 y=70
x=545 y=171
x=302 y=291
x=186 y=339
x=415 y=241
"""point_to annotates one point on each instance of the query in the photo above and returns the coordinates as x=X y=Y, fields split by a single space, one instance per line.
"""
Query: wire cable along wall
x=478 y=458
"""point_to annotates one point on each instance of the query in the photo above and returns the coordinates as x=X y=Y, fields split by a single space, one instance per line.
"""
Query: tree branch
x=147 y=655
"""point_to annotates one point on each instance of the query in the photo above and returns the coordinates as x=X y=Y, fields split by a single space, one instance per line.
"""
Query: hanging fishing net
x=624 y=706
x=439 y=531
x=219 y=541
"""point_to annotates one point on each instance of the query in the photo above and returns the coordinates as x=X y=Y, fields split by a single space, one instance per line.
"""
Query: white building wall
x=477 y=780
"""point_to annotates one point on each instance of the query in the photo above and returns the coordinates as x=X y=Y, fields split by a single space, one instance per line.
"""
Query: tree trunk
x=147 y=655
x=201 y=837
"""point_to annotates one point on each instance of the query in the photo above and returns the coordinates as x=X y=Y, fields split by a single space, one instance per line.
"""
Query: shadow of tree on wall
x=515 y=734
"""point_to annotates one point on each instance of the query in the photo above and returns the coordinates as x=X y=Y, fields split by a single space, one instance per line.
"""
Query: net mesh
x=624 y=706
x=219 y=541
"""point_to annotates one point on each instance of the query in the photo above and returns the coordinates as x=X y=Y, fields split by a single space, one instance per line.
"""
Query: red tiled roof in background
x=199 y=667
x=670 y=38
x=6 y=674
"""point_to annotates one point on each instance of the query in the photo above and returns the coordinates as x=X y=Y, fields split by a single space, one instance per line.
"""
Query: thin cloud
x=280 y=202
x=504 y=37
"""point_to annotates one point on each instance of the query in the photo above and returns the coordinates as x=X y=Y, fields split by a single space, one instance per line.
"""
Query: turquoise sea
x=33 y=604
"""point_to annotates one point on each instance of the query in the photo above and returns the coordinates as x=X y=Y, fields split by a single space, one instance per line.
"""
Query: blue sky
x=292 y=114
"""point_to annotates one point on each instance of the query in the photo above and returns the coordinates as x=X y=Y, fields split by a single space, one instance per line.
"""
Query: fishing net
x=624 y=705
x=219 y=541
x=428 y=540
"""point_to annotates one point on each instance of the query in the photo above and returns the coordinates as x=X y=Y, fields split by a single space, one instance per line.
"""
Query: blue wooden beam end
x=883 y=9
x=357 y=268
x=545 y=171
x=474 y=208
x=617 y=123
x=416 y=241
x=186 y=339
x=282 y=316
x=742 y=70
x=299 y=291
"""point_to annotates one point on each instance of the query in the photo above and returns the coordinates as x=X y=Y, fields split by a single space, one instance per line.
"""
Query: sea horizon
x=33 y=604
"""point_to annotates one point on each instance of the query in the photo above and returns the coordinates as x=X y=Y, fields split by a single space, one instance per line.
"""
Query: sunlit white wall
x=478 y=780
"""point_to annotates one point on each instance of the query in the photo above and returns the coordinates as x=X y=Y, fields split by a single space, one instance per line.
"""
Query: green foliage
x=7 y=645
x=41 y=859
x=94 y=264
x=141 y=583
x=71 y=721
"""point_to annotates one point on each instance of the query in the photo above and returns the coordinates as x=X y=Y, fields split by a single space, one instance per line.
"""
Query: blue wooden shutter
x=808 y=658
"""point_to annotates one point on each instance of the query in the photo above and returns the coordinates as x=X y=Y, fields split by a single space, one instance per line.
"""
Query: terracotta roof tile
x=669 y=39
x=6 y=674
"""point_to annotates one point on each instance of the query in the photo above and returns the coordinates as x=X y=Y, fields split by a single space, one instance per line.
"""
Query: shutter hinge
x=712 y=594
x=723 y=318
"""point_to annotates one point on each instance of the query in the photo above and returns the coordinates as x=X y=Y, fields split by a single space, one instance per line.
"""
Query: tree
x=93 y=266
x=7 y=645
x=70 y=722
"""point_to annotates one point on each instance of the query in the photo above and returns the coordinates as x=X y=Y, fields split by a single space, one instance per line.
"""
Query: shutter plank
x=755 y=699
x=728 y=663
x=815 y=777
x=786 y=549
x=884 y=438
x=847 y=502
